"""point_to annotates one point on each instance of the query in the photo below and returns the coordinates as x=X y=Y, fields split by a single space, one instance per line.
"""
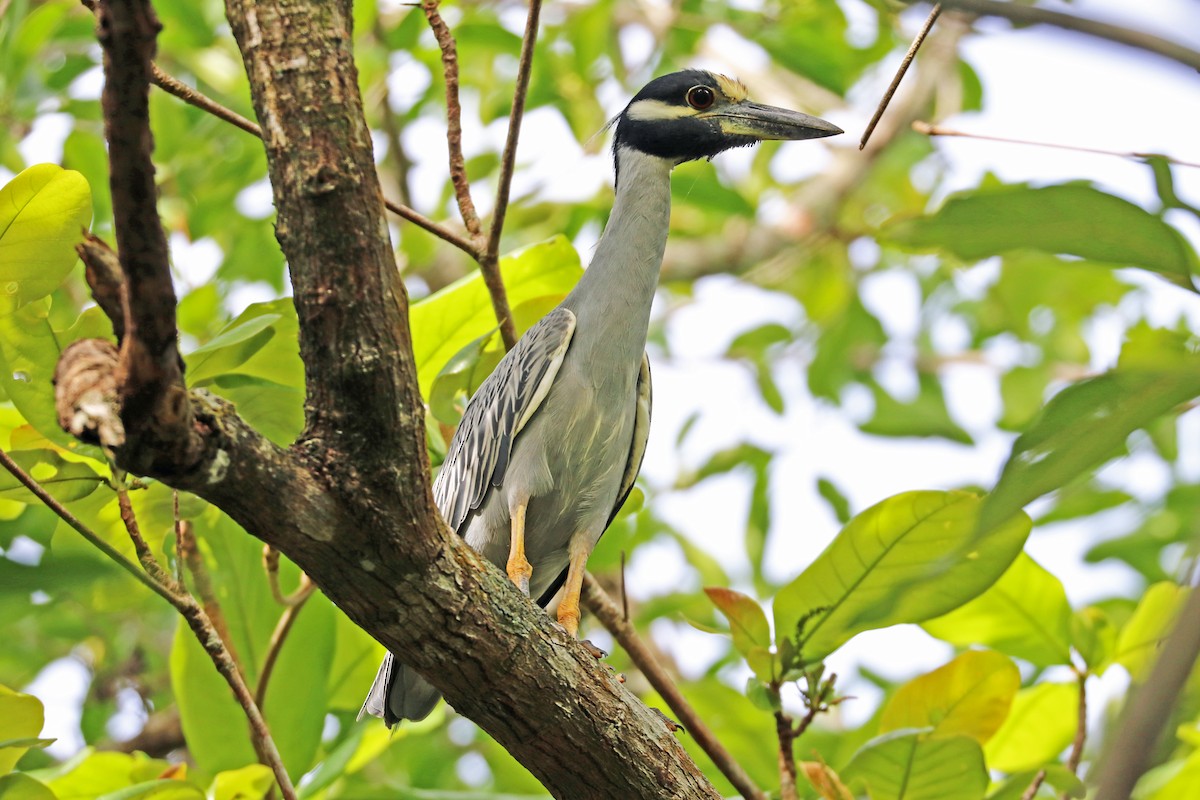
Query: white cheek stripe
x=647 y=110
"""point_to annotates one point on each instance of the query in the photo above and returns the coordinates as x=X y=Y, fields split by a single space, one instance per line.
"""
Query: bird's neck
x=614 y=295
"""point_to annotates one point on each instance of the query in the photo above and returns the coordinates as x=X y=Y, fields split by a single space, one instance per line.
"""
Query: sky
x=1039 y=84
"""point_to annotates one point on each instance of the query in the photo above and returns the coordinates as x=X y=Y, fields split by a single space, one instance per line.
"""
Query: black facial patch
x=683 y=139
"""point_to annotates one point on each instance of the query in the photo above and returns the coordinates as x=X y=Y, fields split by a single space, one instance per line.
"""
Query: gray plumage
x=557 y=432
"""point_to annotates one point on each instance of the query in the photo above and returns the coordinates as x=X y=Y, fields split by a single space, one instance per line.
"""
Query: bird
x=550 y=444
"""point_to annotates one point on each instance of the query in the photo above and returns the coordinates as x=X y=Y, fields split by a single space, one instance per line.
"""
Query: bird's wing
x=478 y=455
x=633 y=464
x=641 y=433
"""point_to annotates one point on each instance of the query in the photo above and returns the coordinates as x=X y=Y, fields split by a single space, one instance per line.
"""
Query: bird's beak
x=768 y=122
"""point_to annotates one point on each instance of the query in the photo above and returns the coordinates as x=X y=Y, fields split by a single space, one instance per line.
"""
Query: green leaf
x=1082 y=427
x=1069 y=219
x=92 y=774
x=29 y=350
x=905 y=559
x=1055 y=775
x=19 y=786
x=906 y=765
x=64 y=480
x=261 y=343
x=253 y=782
x=445 y=322
x=43 y=212
x=924 y=415
x=1025 y=614
x=839 y=504
x=21 y=720
x=461 y=376
x=1039 y=727
x=970 y=696
x=747 y=622
x=1142 y=636
x=160 y=789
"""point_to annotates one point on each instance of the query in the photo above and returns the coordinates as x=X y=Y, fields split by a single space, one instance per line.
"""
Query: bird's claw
x=672 y=725
x=595 y=652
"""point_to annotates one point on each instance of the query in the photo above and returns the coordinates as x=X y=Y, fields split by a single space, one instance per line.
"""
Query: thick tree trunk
x=350 y=502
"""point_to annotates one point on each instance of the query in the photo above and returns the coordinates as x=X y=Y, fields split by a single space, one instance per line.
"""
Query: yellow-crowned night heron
x=549 y=446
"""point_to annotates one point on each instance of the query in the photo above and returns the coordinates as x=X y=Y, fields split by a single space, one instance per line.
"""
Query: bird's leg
x=519 y=569
x=568 y=607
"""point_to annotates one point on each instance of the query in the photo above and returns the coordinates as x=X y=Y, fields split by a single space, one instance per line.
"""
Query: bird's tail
x=399 y=693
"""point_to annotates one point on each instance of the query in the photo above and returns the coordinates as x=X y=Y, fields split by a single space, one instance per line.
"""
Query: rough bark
x=350 y=502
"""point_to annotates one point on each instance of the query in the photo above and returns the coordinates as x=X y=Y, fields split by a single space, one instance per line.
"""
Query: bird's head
x=696 y=114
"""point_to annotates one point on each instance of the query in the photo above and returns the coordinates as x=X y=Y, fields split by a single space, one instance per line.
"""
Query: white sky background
x=1039 y=84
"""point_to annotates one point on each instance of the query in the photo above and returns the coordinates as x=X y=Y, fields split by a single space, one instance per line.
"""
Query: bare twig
x=934 y=13
x=1149 y=707
x=610 y=616
x=175 y=87
x=178 y=537
x=87 y=533
x=204 y=589
x=1034 y=15
x=936 y=130
x=1080 y=725
x=458 y=170
x=271 y=566
x=390 y=130
x=1031 y=791
x=279 y=636
x=489 y=264
x=102 y=270
x=787 y=756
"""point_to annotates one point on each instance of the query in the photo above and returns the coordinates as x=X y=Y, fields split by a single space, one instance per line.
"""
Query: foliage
x=999 y=711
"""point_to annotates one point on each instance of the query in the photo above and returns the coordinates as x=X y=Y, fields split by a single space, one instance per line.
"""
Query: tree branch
x=458 y=170
x=150 y=379
x=1033 y=15
x=937 y=130
x=926 y=27
x=489 y=264
x=1149 y=707
x=279 y=636
x=611 y=617
x=194 y=97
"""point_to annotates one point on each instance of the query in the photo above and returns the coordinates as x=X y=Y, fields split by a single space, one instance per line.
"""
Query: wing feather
x=479 y=452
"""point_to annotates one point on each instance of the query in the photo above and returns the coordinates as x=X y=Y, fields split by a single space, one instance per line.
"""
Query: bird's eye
x=700 y=98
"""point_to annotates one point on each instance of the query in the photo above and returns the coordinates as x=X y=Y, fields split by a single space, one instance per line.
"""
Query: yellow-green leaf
x=970 y=696
x=1025 y=614
x=43 y=212
x=443 y=323
x=1139 y=640
x=21 y=718
x=908 y=765
x=909 y=558
x=1041 y=725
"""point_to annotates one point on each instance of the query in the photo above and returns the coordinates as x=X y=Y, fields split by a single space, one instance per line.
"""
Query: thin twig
x=391 y=131
x=904 y=65
x=191 y=96
x=279 y=636
x=609 y=615
x=1035 y=15
x=458 y=169
x=178 y=538
x=271 y=566
x=204 y=589
x=145 y=555
x=787 y=755
x=936 y=130
x=489 y=264
x=1077 y=745
x=1032 y=790
x=87 y=533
